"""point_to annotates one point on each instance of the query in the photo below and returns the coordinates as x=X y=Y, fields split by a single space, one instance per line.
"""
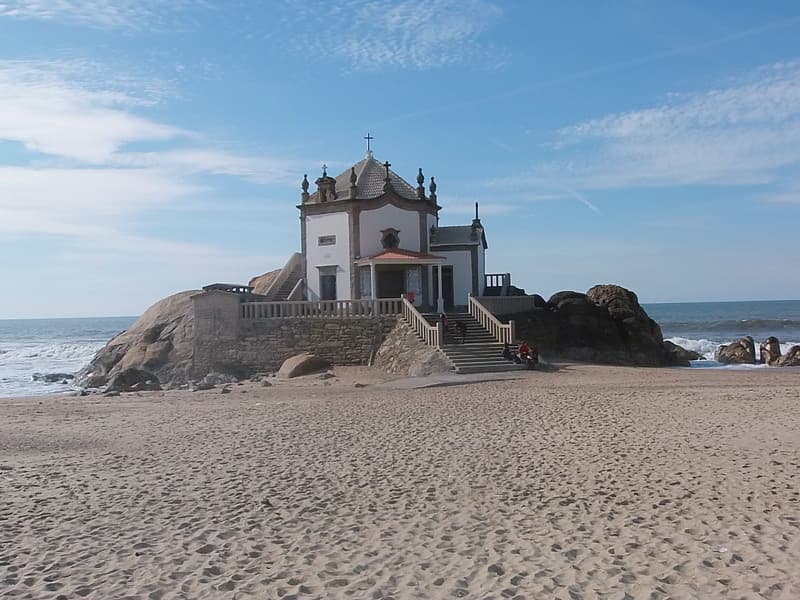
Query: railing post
x=513 y=331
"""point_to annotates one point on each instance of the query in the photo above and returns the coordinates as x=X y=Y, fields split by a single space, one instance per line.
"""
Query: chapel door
x=327 y=286
x=391 y=283
x=447 y=287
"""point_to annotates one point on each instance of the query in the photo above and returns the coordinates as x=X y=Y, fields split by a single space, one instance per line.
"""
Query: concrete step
x=490 y=368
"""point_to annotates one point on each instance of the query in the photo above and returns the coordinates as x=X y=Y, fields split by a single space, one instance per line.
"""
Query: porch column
x=440 y=303
x=373 y=286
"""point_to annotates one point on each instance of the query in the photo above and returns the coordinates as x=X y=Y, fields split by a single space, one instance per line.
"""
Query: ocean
x=47 y=346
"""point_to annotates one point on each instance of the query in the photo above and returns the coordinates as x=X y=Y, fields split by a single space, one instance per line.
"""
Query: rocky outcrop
x=403 y=353
x=790 y=359
x=261 y=283
x=302 y=364
x=742 y=352
x=606 y=325
x=158 y=343
x=678 y=356
x=770 y=351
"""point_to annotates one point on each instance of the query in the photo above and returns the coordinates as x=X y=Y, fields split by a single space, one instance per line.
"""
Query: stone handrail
x=503 y=333
x=430 y=334
x=321 y=308
x=298 y=290
x=507 y=305
x=501 y=280
x=295 y=261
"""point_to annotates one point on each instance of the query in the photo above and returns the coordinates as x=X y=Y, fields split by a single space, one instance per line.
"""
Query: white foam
x=707 y=349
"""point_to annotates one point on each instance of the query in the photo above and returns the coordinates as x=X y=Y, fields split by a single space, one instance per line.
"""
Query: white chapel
x=368 y=233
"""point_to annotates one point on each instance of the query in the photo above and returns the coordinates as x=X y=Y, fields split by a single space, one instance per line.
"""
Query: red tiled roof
x=402 y=255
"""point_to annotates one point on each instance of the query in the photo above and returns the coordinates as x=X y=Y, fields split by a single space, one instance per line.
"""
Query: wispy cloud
x=104 y=14
x=376 y=34
x=743 y=133
x=81 y=182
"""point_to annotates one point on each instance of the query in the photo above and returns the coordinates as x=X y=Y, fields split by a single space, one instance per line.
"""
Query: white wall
x=481 y=269
x=373 y=221
x=462 y=273
x=339 y=254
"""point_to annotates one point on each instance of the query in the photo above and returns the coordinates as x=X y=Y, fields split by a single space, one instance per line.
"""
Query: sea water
x=30 y=346
x=47 y=346
x=704 y=326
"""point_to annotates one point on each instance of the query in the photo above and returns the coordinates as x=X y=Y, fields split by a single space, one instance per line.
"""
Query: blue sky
x=151 y=146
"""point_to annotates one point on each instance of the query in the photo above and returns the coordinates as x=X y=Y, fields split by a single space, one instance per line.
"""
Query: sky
x=154 y=146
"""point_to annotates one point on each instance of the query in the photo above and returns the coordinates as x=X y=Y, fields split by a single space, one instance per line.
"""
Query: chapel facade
x=367 y=233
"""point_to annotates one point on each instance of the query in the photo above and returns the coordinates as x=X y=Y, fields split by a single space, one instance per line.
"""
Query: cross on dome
x=369 y=138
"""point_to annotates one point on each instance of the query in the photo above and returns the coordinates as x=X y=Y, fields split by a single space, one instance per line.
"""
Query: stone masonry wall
x=263 y=344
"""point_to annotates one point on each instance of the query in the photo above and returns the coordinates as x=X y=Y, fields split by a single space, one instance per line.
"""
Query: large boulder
x=678 y=356
x=742 y=352
x=606 y=325
x=790 y=359
x=261 y=283
x=770 y=350
x=302 y=364
x=158 y=343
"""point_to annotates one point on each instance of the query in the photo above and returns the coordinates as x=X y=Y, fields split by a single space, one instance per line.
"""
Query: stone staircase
x=287 y=286
x=479 y=353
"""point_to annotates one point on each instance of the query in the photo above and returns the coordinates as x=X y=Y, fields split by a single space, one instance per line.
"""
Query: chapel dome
x=370 y=179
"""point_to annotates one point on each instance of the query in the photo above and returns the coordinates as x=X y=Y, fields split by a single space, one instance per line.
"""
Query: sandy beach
x=590 y=482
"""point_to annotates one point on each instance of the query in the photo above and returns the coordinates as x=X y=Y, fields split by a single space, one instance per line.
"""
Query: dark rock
x=133 y=380
x=52 y=377
x=606 y=325
x=111 y=393
x=678 y=356
x=791 y=358
x=770 y=351
x=225 y=390
x=302 y=364
x=265 y=383
x=201 y=386
x=359 y=385
x=742 y=351
x=326 y=376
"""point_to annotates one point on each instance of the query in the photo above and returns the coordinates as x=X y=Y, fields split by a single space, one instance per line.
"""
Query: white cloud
x=47 y=114
x=740 y=134
x=105 y=14
x=375 y=34
x=258 y=169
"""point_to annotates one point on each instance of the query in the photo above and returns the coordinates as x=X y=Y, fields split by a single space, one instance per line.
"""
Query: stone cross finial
x=369 y=138
x=386 y=165
x=324 y=170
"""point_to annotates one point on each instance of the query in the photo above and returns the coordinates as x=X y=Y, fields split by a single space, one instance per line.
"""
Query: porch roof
x=398 y=256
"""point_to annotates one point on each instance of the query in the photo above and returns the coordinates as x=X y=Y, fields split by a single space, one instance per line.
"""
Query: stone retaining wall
x=226 y=343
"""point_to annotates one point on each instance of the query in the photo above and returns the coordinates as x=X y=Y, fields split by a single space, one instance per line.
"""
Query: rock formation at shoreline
x=678 y=356
x=606 y=325
x=790 y=359
x=159 y=342
x=741 y=352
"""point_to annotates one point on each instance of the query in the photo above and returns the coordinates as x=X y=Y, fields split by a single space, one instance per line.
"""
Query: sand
x=591 y=482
